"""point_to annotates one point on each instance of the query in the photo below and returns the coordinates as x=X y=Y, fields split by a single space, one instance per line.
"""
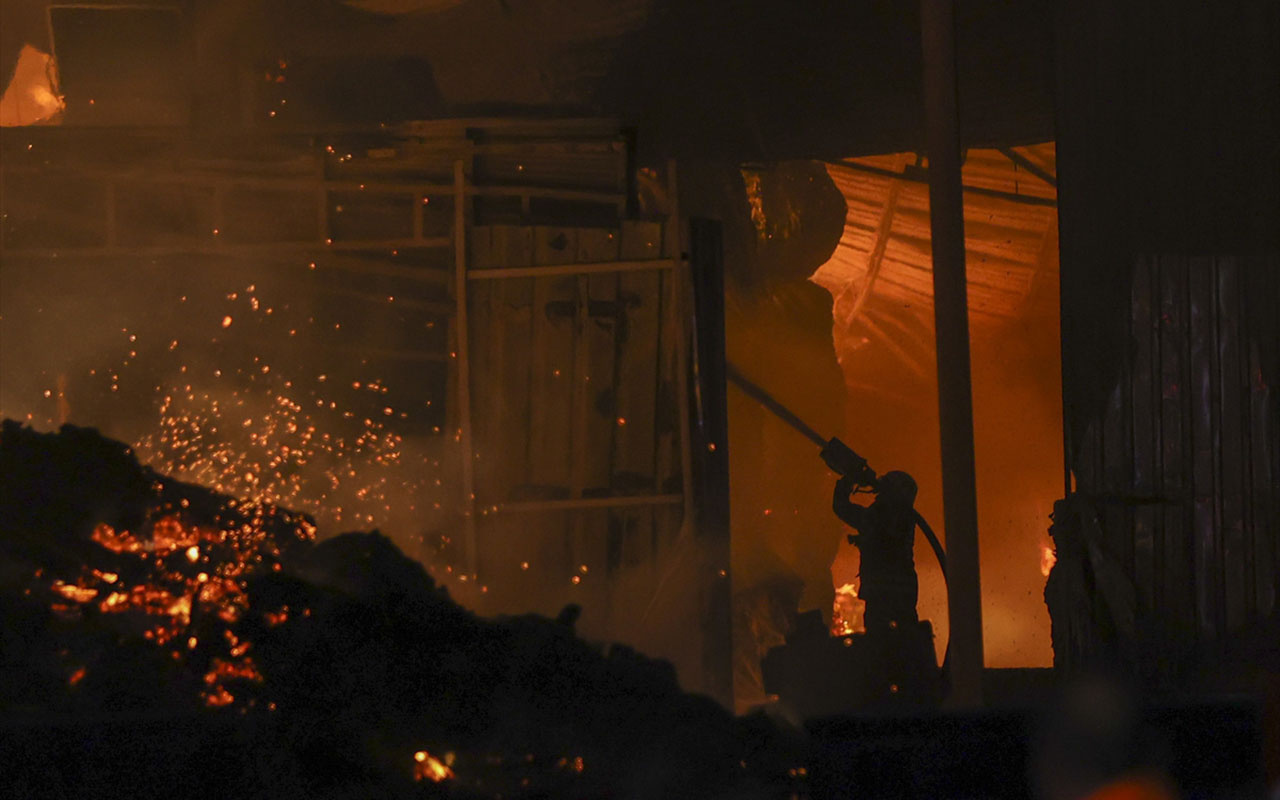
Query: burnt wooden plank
x=1115 y=469
x=485 y=328
x=482 y=326
x=1262 y=435
x=1120 y=464
x=636 y=545
x=1145 y=325
x=1177 y=576
x=554 y=312
x=602 y=420
x=497 y=464
x=514 y=307
x=635 y=383
x=1202 y=432
x=554 y=245
x=1232 y=390
x=641 y=239
x=667 y=403
x=638 y=366
x=581 y=392
x=488 y=330
x=511 y=245
x=480 y=252
x=548 y=413
x=596 y=244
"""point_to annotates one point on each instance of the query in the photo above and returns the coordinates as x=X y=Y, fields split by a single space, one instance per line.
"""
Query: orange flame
x=428 y=767
x=167 y=599
x=1048 y=557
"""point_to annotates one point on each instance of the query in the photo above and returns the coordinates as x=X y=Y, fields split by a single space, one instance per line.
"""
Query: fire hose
x=840 y=458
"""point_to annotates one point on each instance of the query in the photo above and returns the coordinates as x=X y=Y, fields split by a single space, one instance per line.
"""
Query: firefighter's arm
x=850 y=512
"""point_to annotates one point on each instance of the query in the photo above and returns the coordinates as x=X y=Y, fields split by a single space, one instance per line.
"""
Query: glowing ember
x=428 y=767
x=153 y=589
x=270 y=437
x=78 y=594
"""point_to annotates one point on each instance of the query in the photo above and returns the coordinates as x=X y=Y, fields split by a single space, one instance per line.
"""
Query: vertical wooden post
x=463 y=368
x=951 y=322
x=674 y=242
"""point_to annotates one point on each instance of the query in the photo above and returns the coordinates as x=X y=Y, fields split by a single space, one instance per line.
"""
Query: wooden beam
x=213 y=247
x=463 y=369
x=875 y=258
x=584 y=268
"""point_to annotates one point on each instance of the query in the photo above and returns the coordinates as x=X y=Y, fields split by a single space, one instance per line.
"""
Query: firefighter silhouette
x=885 y=540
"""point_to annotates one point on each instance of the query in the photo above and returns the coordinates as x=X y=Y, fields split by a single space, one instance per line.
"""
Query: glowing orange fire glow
x=165 y=602
x=1047 y=559
x=428 y=767
x=847 y=612
x=79 y=594
x=32 y=94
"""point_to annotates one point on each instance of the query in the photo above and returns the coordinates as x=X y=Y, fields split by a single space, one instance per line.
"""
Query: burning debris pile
x=156 y=631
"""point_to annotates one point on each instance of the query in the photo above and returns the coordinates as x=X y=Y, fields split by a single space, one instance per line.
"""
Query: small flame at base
x=428 y=767
x=1048 y=557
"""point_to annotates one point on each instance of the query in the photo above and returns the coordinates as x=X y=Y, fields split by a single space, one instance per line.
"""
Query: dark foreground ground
x=160 y=640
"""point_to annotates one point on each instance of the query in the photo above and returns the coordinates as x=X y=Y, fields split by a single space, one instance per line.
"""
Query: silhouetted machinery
x=818 y=674
x=891 y=666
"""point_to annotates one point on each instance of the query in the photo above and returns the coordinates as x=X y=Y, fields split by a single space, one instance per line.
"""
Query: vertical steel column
x=951 y=322
x=711 y=451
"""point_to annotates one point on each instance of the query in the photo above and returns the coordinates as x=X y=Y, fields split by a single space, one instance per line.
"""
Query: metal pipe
x=951 y=327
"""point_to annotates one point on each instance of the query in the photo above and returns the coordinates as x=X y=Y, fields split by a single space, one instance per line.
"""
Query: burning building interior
x=445 y=398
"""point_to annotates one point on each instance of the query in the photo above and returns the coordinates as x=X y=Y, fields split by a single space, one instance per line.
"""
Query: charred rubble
x=159 y=637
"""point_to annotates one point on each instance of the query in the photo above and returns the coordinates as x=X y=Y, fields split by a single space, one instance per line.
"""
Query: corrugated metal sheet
x=1188 y=451
x=882 y=269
